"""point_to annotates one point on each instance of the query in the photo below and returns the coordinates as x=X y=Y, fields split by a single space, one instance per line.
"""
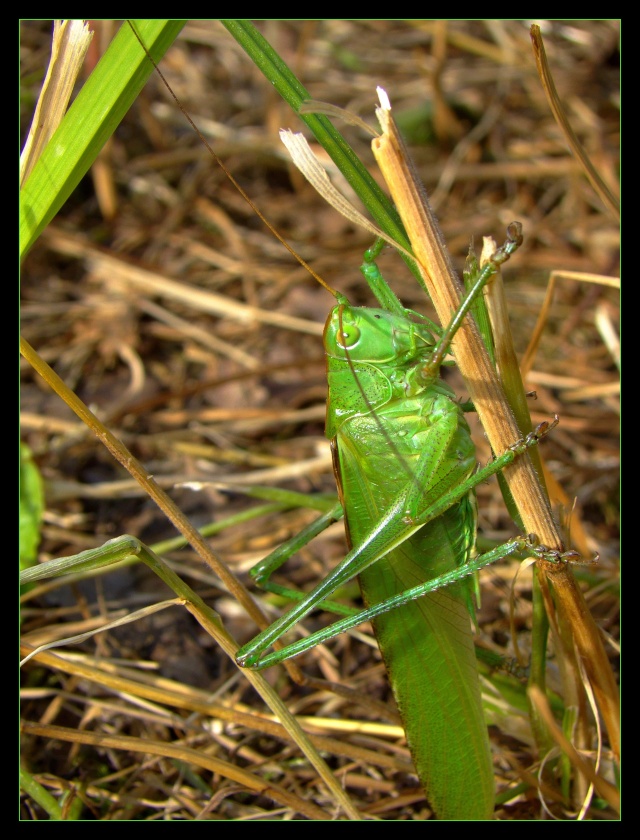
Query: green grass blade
x=98 y=109
x=294 y=93
x=32 y=504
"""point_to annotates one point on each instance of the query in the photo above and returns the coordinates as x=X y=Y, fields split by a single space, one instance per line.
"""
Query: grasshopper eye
x=348 y=336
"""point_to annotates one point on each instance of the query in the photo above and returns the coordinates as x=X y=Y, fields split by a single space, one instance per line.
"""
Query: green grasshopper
x=406 y=468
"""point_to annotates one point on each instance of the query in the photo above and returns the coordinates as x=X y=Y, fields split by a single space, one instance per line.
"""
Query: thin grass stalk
x=193 y=602
x=494 y=411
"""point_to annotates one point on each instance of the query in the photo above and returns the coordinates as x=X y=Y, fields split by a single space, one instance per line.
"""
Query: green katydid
x=406 y=465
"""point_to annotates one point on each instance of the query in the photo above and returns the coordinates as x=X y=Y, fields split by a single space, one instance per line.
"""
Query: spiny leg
x=262 y=571
x=251 y=654
x=513 y=546
x=389 y=301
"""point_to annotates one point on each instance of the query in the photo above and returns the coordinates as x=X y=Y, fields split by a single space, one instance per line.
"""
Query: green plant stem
x=293 y=91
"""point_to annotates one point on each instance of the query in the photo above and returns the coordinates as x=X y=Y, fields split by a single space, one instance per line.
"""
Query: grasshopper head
x=374 y=336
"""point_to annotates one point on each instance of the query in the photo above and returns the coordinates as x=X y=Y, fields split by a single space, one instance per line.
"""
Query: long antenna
x=235 y=183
